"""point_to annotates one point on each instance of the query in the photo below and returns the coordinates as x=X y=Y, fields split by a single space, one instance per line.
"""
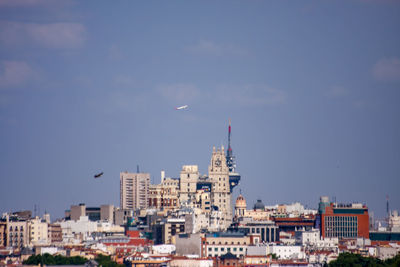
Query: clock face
x=218 y=162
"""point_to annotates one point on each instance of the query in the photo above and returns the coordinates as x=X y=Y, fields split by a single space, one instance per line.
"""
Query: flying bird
x=98 y=175
x=182 y=107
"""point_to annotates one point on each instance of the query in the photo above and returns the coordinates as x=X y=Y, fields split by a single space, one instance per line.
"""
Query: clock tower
x=218 y=173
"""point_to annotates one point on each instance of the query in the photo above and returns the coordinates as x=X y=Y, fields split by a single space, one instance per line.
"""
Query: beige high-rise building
x=38 y=232
x=134 y=190
x=107 y=213
x=218 y=173
x=188 y=182
x=77 y=211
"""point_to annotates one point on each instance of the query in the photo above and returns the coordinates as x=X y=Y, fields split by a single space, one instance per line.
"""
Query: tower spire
x=229 y=136
x=230 y=159
x=234 y=177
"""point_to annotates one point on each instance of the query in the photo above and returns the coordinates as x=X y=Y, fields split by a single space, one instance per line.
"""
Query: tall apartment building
x=38 y=231
x=343 y=220
x=17 y=234
x=134 y=190
x=189 y=177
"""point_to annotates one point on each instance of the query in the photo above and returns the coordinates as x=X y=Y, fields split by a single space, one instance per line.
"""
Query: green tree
x=105 y=261
x=48 y=259
x=355 y=260
x=393 y=262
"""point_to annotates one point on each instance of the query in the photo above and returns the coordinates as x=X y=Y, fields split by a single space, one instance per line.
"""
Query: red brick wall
x=363 y=222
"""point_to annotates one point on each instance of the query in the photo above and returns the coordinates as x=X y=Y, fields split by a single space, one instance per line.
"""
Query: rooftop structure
x=234 y=177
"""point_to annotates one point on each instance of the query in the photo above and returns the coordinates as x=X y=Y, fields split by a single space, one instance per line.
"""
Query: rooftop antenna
x=230 y=159
x=137 y=168
x=387 y=206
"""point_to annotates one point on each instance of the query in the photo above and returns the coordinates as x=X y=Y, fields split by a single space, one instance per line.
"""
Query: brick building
x=343 y=220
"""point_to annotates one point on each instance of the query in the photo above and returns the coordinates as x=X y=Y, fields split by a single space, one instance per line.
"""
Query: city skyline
x=312 y=90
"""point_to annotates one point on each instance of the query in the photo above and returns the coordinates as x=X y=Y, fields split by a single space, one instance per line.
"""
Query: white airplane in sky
x=182 y=107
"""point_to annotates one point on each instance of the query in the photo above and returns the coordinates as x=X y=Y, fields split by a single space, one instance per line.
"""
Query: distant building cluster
x=192 y=220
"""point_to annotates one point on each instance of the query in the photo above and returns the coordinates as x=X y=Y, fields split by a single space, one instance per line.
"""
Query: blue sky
x=312 y=89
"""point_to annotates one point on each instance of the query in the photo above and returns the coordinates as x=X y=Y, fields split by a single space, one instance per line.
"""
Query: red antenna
x=229 y=136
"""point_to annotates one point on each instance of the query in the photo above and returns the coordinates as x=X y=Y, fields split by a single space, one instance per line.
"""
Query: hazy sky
x=312 y=89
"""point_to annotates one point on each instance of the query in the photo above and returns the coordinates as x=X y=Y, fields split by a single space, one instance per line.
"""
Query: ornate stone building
x=218 y=174
x=164 y=196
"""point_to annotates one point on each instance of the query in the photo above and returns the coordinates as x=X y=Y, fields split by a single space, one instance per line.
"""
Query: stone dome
x=240 y=202
x=259 y=205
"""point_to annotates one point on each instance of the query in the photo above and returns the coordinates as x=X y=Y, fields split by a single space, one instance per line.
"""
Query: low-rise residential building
x=387 y=252
x=256 y=260
x=312 y=238
x=188 y=244
x=17 y=234
x=76 y=231
x=172 y=227
x=281 y=251
x=218 y=244
x=55 y=233
x=288 y=252
x=3 y=234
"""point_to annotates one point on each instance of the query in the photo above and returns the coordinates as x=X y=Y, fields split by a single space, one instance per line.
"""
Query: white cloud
x=51 y=35
x=178 y=93
x=387 y=69
x=15 y=73
x=251 y=95
x=212 y=48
